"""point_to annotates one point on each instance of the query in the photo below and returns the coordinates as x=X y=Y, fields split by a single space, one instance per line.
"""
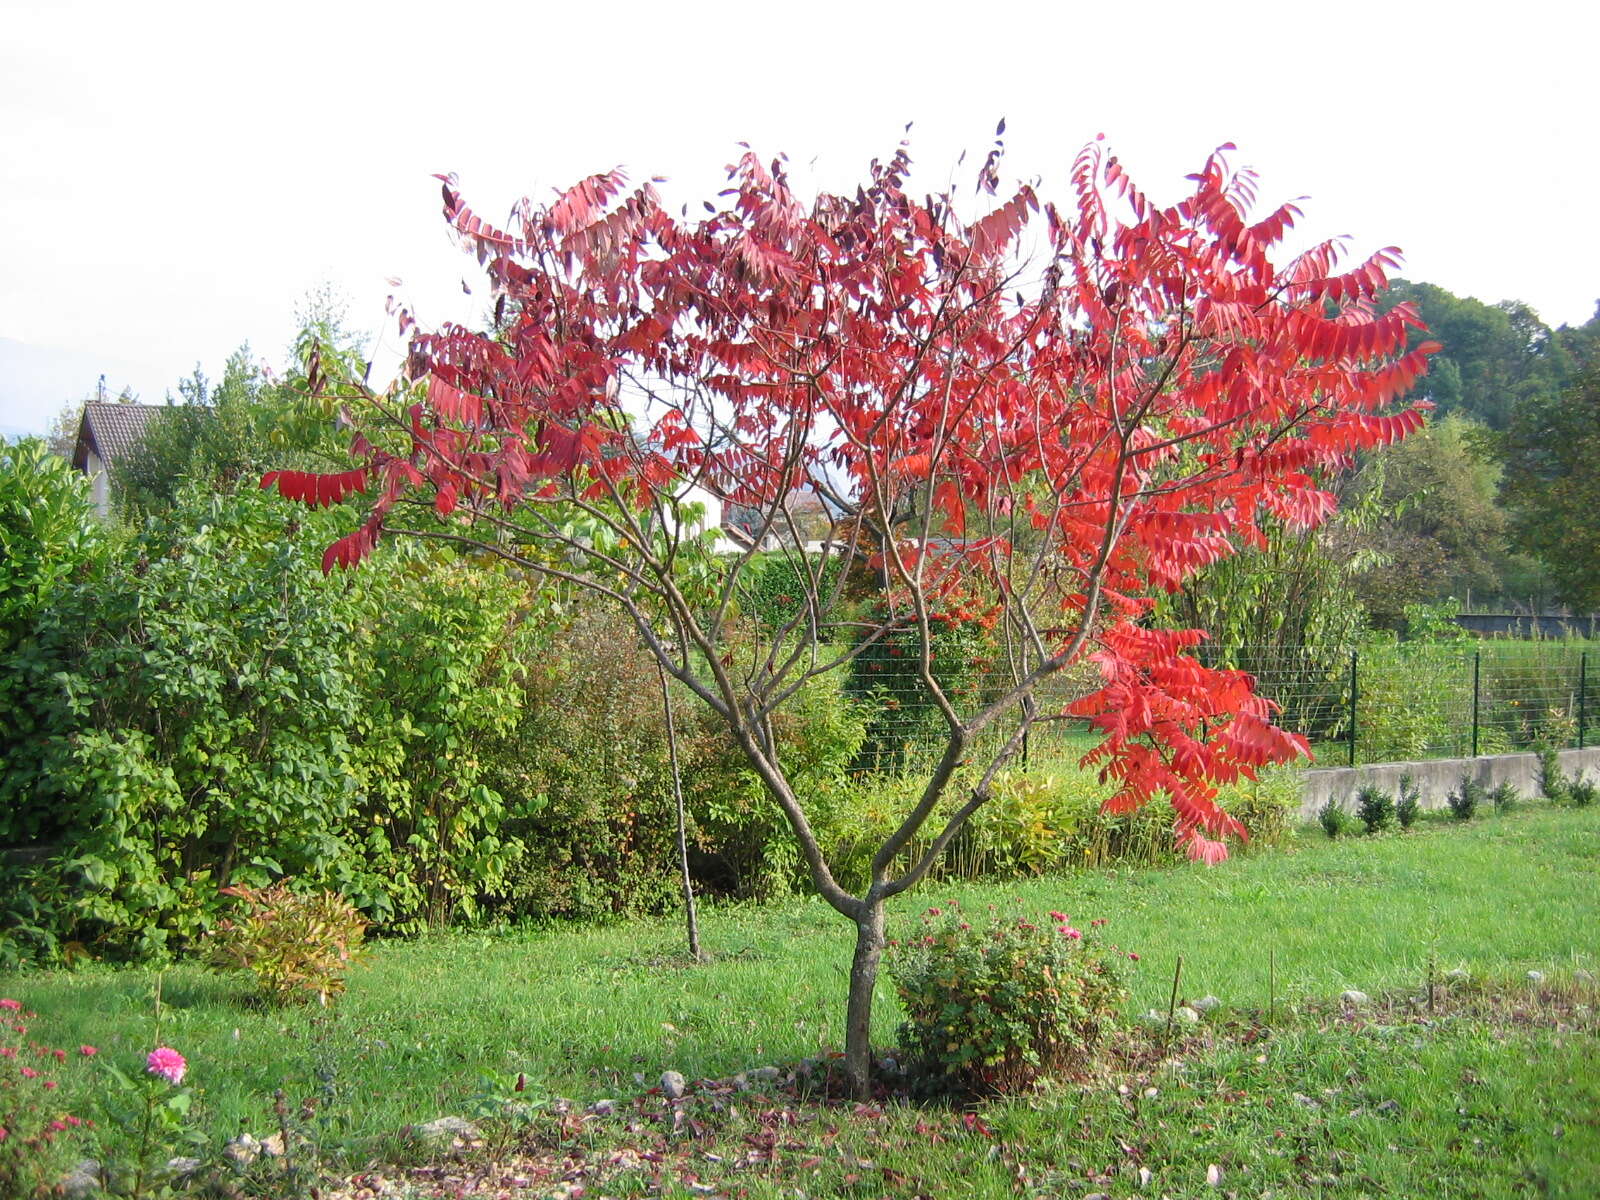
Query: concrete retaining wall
x=1435 y=779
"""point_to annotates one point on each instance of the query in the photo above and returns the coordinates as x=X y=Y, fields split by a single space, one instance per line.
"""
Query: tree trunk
x=858 y=1014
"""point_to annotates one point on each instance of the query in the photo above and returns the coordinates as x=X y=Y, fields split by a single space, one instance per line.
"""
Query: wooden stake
x=1172 y=1004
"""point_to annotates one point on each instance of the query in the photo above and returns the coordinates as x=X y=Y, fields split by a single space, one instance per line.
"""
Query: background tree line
x=1497 y=500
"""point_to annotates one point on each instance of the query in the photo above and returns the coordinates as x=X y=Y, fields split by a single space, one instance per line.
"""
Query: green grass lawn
x=1480 y=1102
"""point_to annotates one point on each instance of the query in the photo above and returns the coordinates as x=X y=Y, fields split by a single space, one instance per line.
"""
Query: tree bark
x=858 y=1012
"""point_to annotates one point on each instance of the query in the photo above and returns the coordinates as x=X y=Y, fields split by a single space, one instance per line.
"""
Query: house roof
x=111 y=430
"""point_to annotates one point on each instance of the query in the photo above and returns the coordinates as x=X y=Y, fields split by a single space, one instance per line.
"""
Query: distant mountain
x=36 y=382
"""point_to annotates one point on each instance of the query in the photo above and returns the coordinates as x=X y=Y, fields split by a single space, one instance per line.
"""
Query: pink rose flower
x=88 y=1051
x=13 y=1005
x=167 y=1063
x=1073 y=934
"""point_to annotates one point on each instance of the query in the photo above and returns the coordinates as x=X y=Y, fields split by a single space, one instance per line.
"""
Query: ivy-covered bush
x=774 y=595
x=887 y=676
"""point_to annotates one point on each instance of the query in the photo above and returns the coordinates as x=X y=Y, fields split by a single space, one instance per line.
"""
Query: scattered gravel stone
x=1144 y=1178
x=603 y=1108
x=1213 y=1175
x=242 y=1150
x=1206 y=1005
x=1457 y=975
x=1535 y=977
x=83 y=1180
x=1353 y=998
x=1184 y=1015
x=673 y=1085
x=1150 y=1093
x=772 y=1074
x=272 y=1145
x=1582 y=976
x=1154 y=1016
x=182 y=1167
x=445 y=1130
x=1389 y=1106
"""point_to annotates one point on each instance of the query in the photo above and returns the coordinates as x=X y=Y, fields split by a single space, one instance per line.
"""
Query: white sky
x=174 y=178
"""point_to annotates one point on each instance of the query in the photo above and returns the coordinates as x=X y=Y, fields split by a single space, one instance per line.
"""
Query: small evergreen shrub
x=1552 y=782
x=1505 y=797
x=1375 y=807
x=1332 y=818
x=1409 y=803
x=1465 y=799
x=993 y=1005
x=297 y=945
x=1581 y=790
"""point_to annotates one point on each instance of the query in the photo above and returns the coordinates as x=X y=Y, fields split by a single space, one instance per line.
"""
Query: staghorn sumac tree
x=1051 y=437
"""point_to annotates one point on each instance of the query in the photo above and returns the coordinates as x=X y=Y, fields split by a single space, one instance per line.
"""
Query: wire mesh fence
x=1382 y=703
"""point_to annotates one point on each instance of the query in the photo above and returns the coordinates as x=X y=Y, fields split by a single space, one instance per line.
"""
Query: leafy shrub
x=49 y=536
x=589 y=756
x=1465 y=799
x=1332 y=818
x=905 y=717
x=990 y=1007
x=1504 y=797
x=1375 y=807
x=1042 y=822
x=744 y=845
x=224 y=714
x=774 y=595
x=1408 y=693
x=1266 y=806
x=298 y=945
x=1409 y=803
x=446 y=644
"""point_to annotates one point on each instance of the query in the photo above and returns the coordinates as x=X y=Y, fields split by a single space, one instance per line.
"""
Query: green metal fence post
x=1353 y=655
x=1583 y=696
x=1477 y=665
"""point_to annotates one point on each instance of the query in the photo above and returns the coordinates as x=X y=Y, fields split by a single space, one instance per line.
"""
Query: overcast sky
x=175 y=178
